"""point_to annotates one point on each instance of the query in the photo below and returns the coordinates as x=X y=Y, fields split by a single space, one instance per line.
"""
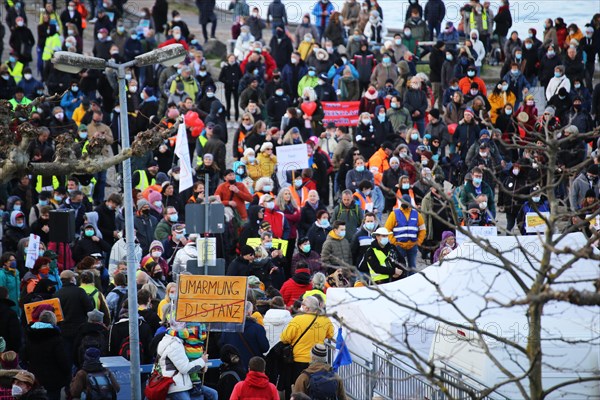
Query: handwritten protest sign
x=55 y=303
x=478 y=231
x=207 y=299
x=342 y=113
x=33 y=250
x=534 y=222
x=292 y=157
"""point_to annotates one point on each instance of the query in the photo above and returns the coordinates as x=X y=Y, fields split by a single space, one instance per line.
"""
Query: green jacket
x=11 y=281
x=399 y=117
x=163 y=230
x=307 y=81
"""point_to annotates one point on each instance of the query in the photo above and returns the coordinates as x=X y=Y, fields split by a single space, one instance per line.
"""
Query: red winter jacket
x=277 y=221
x=296 y=286
x=256 y=386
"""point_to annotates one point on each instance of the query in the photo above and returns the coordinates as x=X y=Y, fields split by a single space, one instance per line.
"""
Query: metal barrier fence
x=389 y=378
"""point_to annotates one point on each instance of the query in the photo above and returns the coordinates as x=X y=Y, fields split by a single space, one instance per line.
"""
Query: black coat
x=75 y=304
x=106 y=223
x=22 y=41
x=89 y=329
x=86 y=246
x=231 y=75
x=46 y=357
x=436 y=61
x=308 y=216
x=119 y=332
x=281 y=51
x=238 y=267
x=10 y=328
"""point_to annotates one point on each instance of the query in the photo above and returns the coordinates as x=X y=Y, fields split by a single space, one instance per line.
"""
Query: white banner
x=186 y=179
x=478 y=231
x=33 y=250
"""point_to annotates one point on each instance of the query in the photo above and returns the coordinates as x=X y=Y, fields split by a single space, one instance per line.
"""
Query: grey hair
x=318 y=280
x=311 y=303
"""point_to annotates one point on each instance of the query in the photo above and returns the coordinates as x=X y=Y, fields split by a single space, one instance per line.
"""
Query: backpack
x=322 y=385
x=99 y=386
x=114 y=314
x=93 y=339
x=125 y=349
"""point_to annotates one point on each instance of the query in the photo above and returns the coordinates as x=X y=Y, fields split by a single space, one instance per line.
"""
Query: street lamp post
x=73 y=63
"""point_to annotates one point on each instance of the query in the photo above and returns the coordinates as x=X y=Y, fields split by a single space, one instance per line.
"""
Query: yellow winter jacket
x=320 y=330
x=497 y=103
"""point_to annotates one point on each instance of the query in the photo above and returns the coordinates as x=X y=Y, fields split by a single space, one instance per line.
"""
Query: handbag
x=158 y=385
x=287 y=350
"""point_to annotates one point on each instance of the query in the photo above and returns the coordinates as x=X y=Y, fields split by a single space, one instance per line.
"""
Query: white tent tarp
x=407 y=310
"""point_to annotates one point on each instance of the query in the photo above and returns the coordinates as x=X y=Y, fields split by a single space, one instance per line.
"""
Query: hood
x=474 y=32
x=277 y=317
x=377 y=109
x=190 y=249
x=257 y=380
x=227 y=351
x=446 y=235
x=403 y=67
x=214 y=107
x=13 y=217
x=11 y=202
x=167 y=341
x=253 y=214
x=92 y=219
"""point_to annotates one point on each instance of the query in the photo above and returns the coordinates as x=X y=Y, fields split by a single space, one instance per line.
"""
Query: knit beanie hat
x=319 y=352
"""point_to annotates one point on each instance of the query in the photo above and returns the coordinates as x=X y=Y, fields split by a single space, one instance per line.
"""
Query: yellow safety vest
x=52 y=42
x=143 y=184
x=200 y=159
x=381 y=257
x=484 y=21
x=13 y=102
x=39 y=187
x=17 y=71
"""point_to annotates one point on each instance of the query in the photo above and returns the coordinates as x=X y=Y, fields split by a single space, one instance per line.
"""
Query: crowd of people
x=430 y=151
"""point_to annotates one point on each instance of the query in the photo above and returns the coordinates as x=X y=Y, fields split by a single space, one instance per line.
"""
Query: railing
x=388 y=377
x=357 y=377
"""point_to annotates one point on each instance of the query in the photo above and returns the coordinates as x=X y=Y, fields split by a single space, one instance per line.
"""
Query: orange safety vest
x=365 y=203
x=240 y=143
x=296 y=196
x=399 y=195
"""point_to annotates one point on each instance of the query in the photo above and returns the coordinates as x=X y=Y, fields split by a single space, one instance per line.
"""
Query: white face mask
x=27 y=76
x=156 y=254
x=483 y=205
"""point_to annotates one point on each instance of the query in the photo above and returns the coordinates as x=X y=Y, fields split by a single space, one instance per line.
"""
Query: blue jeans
x=205 y=394
x=410 y=256
x=420 y=126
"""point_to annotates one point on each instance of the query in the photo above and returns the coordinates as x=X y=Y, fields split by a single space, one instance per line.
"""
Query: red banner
x=342 y=113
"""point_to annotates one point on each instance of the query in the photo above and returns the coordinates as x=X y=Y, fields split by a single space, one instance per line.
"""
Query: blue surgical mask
x=311 y=73
x=386 y=60
x=20 y=224
x=536 y=199
x=267 y=188
x=324 y=223
x=360 y=168
x=414 y=136
x=369 y=226
x=89 y=232
x=557 y=74
x=305 y=248
x=268 y=245
x=43 y=202
x=173 y=217
x=58 y=198
x=381 y=117
x=477 y=181
x=384 y=241
x=405 y=186
x=471 y=73
x=17 y=207
x=342 y=234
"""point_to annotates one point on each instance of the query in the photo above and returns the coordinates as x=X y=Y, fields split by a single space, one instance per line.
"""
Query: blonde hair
x=169 y=286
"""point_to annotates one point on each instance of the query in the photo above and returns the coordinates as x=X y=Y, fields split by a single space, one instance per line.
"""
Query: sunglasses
x=356 y=154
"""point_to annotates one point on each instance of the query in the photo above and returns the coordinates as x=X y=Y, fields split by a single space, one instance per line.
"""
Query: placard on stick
x=55 y=303
x=203 y=298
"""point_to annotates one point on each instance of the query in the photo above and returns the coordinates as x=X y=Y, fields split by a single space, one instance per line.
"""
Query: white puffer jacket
x=188 y=252
x=275 y=322
x=175 y=364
